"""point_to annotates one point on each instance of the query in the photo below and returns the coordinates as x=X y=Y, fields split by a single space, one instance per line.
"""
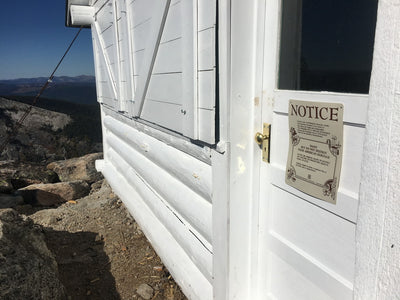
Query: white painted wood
x=96 y=56
x=141 y=34
x=169 y=57
x=355 y=105
x=347 y=203
x=105 y=26
x=167 y=115
x=378 y=231
x=203 y=154
x=178 y=262
x=197 y=211
x=163 y=87
x=173 y=221
x=243 y=202
x=138 y=61
x=141 y=41
x=142 y=10
x=224 y=60
x=206 y=125
x=108 y=88
x=159 y=15
x=186 y=168
x=206 y=89
x=207 y=14
x=307 y=246
x=331 y=247
x=283 y=274
x=118 y=34
x=220 y=219
x=81 y=15
x=129 y=68
x=206 y=49
x=173 y=24
x=189 y=69
x=221 y=162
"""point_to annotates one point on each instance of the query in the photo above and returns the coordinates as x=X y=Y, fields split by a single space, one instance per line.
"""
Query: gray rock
x=9 y=201
x=28 y=269
x=54 y=193
x=5 y=186
x=145 y=291
x=81 y=168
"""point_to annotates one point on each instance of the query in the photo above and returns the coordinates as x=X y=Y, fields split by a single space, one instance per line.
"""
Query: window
x=327 y=45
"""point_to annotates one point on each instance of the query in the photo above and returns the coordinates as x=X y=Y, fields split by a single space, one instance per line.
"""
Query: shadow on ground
x=84 y=267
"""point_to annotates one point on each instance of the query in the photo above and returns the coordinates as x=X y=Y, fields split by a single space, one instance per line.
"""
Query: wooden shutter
x=159 y=62
x=105 y=53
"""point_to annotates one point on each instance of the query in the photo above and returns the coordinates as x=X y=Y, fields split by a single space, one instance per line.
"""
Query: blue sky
x=33 y=38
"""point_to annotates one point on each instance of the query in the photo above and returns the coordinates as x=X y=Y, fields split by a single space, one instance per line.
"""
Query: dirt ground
x=100 y=250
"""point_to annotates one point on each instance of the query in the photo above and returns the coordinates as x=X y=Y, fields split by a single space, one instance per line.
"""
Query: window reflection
x=327 y=45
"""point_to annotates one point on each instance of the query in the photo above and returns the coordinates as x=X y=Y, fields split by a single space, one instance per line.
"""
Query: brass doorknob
x=260 y=138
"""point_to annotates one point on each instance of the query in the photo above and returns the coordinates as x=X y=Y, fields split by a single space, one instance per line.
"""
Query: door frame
x=236 y=159
x=242 y=93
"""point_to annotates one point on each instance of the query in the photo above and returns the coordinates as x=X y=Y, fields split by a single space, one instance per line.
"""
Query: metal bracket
x=263 y=139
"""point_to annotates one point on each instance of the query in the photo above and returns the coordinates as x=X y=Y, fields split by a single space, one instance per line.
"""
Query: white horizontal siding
x=152 y=216
x=189 y=170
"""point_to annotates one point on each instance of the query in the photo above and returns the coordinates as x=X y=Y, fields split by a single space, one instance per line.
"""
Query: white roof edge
x=68 y=3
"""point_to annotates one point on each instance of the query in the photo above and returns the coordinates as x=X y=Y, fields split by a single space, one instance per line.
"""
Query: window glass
x=327 y=45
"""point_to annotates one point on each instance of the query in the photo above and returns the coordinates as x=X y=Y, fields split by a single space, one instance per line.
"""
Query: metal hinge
x=263 y=139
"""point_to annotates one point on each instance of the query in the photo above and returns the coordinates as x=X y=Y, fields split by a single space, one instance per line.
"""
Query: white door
x=318 y=51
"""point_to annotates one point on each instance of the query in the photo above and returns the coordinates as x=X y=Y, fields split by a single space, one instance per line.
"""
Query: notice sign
x=315 y=148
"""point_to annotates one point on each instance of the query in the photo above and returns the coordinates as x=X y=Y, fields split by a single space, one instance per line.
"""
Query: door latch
x=263 y=139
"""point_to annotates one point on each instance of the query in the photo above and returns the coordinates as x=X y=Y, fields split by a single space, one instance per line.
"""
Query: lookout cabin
x=255 y=142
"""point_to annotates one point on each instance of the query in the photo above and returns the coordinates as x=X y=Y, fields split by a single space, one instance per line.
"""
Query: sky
x=33 y=38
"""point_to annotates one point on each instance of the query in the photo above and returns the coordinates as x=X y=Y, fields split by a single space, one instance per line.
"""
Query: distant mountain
x=57 y=79
x=79 y=89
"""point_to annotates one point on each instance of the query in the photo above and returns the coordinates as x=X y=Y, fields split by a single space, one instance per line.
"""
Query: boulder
x=81 y=168
x=9 y=201
x=54 y=193
x=5 y=185
x=28 y=269
x=15 y=175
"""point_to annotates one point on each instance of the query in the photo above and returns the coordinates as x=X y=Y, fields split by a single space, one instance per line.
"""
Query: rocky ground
x=56 y=243
x=44 y=135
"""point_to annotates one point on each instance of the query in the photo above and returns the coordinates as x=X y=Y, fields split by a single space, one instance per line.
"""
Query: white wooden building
x=184 y=85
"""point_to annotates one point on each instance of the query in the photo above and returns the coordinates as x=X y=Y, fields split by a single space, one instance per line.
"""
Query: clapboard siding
x=169 y=57
x=198 y=177
x=180 y=177
x=125 y=70
x=207 y=128
x=206 y=76
x=165 y=114
x=206 y=14
x=152 y=215
x=140 y=34
x=162 y=87
x=141 y=10
x=206 y=89
x=104 y=78
x=206 y=49
x=138 y=59
x=196 y=213
x=173 y=24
